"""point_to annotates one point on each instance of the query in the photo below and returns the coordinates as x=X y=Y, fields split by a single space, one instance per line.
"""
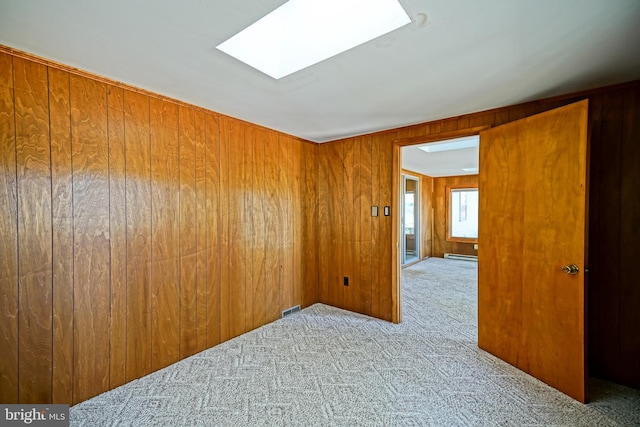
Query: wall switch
x=346 y=281
x=374 y=211
x=475 y=246
x=387 y=210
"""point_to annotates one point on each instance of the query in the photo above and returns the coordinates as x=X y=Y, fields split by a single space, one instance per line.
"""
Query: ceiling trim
x=442 y=136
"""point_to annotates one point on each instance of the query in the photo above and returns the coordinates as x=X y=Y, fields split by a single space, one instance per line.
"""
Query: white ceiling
x=456 y=57
x=442 y=163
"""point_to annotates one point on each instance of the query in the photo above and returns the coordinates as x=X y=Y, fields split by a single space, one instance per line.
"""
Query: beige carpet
x=328 y=367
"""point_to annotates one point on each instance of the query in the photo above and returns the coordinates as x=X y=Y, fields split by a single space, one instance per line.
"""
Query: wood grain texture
x=386 y=225
x=335 y=159
x=530 y=313
x=214 y=221
x=310 y=210
x=246 y=186
x=8 y=237
x=322 y=223
x=364 y=202
x=237 y=244
x=259 y=225
x=165 y=233
x=376 y=237
x=285 y=240
x=225 y=240
x=34 y=231
x=118 y=234
x=138 y=201
x=350 y=246
x=273 y=224
x=90 y=160
x=188 y=236
x=62 y=237
x=297 y=217
x=201 y=234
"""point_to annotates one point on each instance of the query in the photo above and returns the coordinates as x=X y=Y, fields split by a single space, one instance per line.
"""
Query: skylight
x=454 y=144
x=301 y=33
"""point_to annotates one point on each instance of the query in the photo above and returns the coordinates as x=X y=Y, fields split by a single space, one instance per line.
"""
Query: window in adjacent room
x=463 y=215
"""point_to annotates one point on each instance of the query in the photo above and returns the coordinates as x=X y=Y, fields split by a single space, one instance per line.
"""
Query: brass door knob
x=571 y=269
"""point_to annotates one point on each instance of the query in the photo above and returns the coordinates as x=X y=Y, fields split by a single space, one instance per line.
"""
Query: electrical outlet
x=346 y=281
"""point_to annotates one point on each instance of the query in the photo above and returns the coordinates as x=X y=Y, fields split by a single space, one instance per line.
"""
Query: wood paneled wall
x=136 y=231
x=440 y=188
x=614 y=211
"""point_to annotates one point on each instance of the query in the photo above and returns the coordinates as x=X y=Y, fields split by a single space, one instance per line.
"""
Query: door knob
x=571 y=269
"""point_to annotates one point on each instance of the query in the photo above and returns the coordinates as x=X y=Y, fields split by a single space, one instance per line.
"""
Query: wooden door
x=532 y=223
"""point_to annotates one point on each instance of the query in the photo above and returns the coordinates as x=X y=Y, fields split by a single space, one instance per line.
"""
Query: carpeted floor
x=329 y=367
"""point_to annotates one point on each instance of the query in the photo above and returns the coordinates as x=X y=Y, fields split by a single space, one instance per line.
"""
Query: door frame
x=396 y=200
x=417 y=217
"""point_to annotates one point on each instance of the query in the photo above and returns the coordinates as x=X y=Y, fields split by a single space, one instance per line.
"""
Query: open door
x=532 y=246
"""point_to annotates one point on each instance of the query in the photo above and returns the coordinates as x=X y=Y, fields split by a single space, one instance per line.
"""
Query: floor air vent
x=290 y=311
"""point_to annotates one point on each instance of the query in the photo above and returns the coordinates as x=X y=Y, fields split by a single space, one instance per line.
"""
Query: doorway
x=410 y=219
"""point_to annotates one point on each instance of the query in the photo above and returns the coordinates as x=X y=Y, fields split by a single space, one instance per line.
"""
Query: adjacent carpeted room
x=325 y=366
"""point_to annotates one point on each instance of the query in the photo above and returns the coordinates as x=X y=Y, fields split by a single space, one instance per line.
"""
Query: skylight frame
x=301 y=33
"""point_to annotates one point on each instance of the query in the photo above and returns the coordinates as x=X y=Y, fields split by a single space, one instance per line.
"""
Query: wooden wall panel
x=237 y=244
x=62 y=241
x=225 y=240
x=214 y=221
x=246 y=226
x=188 y=236
x=165 y=234
x=8 y=237
x=629 y=232
x=348 y=234
x=274 y=223
x=118 y=234
x=34 y=231
x=201 y=235
x=138 y=201
x=90 y=162
x=285 y=240
x=310 y=213
x=259 y=226
x=364 y=202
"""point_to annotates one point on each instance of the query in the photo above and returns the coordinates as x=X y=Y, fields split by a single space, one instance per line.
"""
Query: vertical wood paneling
x=336 y=211
x=350 y=247
x=201 y=233
x=363 y=295
x=310 y=212
x=376 y=228
x=285 y=196
x=629 y=232
x=165 y=234
x=259 y=205
x=138 y=201
x=225 y=220
x=386 y=224
x=8 y=237
x=188 y=236
x=323 y=223
x=90 y=159
x=297 y=217
x=118 y=234
x=214 y=221
x=246 y=185
x=34 y=231
x=273 y=223
x=237 y=262
x=606 y=272
x=62 y=244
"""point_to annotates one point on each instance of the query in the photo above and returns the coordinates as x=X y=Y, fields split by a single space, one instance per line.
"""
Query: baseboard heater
x=462 y=257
